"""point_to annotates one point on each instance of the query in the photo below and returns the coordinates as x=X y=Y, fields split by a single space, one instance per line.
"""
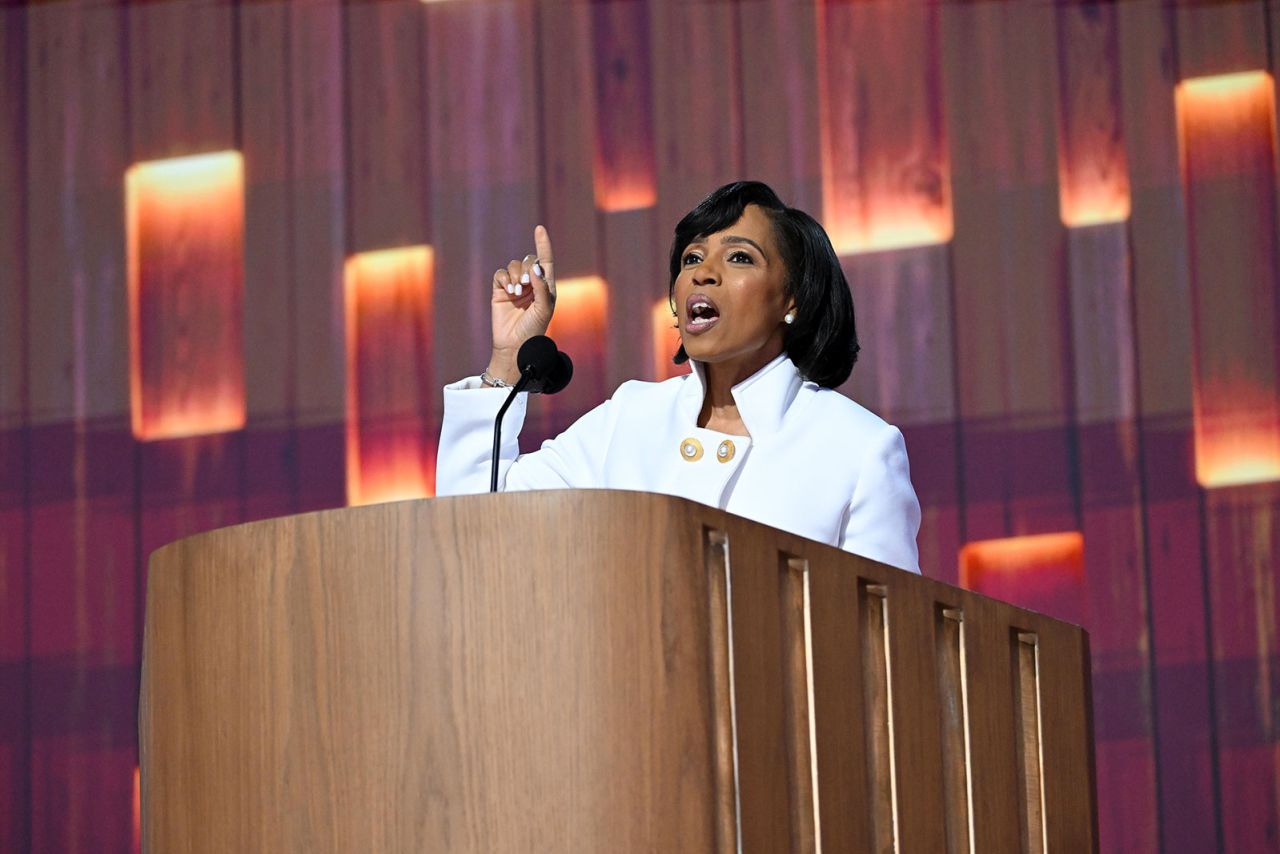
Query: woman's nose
x=704 y=274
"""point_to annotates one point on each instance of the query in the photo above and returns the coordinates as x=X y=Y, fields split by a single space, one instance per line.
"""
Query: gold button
x=725 y=452
x=691 y=450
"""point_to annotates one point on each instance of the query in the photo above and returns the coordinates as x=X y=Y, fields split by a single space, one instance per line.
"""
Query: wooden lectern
x=594 y=671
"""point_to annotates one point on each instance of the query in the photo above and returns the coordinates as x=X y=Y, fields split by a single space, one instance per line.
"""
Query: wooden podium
x=594 y=671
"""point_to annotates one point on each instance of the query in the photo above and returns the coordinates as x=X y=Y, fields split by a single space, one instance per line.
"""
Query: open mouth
x=701 y=314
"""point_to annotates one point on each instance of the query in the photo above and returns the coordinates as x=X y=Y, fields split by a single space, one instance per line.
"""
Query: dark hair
x=822 y=341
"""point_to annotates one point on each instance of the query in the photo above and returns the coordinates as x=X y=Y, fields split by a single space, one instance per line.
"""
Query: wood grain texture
x=594 y=720
x=481 y=110
x=886 y=181
x=781 y=139
x=1227 y=142
x=1181 y=698
x=1007 y=267
x=15 y=713
x=83 y=592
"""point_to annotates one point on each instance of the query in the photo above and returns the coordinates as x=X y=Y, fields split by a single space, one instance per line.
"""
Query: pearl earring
x=789 y=318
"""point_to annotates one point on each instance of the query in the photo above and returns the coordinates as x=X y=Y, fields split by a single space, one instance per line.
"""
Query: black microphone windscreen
x=560 y=376
x=538 y=353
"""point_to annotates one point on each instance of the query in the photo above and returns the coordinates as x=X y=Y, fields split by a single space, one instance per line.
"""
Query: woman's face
x=730 y=294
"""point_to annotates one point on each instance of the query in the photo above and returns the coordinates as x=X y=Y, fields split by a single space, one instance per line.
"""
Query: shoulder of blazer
x=830 y=410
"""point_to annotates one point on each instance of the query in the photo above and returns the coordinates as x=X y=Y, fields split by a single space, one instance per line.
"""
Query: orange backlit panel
x=184 y=223
x=1227 y=146
x=1093 y=170
x=137 y=810
x=885 y=173
x=623 y=166
x=1043 y=572
x=578 y=327
x=391 y=391
x=666 y=340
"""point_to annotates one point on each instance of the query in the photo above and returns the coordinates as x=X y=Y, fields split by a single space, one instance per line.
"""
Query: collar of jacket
x=762 y=398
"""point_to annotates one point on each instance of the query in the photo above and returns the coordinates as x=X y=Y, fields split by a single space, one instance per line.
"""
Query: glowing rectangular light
x=390 y=387
x=1044 y=572
x=1093 y=170
x=184 y=224
x=885 y=174
x=1227 y=147
x=578 y=327
x=624 y=174
x=666 y=341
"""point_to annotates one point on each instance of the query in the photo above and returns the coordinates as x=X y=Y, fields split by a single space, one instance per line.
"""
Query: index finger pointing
x=542 y=242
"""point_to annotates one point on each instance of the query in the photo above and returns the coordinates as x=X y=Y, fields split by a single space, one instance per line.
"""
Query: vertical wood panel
x=270 y=477
x=181 y=98
x=1011 y=341
x=884 y=156
x=1171 y=516
x=15 y=722
x=697 y=112
x=781 y=142
x=1227 y=139
x=484 y=165
x=83 y=555
x=318 y=194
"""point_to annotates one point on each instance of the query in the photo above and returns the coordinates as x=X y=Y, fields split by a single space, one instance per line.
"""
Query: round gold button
x=691 y=450
x=725 y=452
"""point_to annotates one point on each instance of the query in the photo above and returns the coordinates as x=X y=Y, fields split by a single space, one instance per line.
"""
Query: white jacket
x=816 y=463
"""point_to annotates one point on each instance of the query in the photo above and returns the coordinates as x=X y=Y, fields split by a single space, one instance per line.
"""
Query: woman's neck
x=719 y=409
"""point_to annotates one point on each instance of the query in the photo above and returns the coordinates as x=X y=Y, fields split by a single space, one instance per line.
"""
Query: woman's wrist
x=502 y=368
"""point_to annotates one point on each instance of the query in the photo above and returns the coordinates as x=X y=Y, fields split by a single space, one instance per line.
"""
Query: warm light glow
x=623 y=191
x=1240 y=443
x=390 y=388
x=184 y=223
x=886 y=180
x=1043 y=572
x=1227 y=145
x=666 y=340
x=1083 y=204
x=137 y=809
x=582 y=306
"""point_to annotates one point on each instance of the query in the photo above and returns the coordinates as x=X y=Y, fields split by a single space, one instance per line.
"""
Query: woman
x=766 y=318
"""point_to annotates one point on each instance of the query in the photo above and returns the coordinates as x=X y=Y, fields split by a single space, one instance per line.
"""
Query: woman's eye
x=691 y=258
x=741 y=257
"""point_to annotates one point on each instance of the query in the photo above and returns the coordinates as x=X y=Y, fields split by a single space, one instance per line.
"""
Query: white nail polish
x=524 y=279
x=511 y=289
x=519 y=288
x=537 y=270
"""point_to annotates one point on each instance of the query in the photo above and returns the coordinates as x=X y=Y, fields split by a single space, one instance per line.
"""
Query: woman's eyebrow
x=731 y=238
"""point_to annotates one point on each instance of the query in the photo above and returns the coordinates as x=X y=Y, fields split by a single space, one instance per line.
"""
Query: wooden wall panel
x=181 y=97
x=1227 y=139
x=1180 y=698
x=781 y=142
x=318 y=197
x=481 y=108
x=567 y=118
x=1095 y=205
x=15 y=712
x=697 y=108
x=263 y=96
x=83 y=593
x=1011 y=344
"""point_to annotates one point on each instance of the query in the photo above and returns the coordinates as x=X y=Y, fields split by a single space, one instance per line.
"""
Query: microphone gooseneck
x=543 y=370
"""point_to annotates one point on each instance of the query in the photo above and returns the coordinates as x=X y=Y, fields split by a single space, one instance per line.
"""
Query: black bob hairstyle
x=822 y=341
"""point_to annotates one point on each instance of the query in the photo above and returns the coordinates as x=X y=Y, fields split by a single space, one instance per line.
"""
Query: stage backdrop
x=242 y=245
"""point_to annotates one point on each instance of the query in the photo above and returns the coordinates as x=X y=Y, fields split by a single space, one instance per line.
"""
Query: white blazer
x=816 y=463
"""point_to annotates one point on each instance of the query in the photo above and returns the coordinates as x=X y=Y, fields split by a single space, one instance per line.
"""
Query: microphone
x=543 y=370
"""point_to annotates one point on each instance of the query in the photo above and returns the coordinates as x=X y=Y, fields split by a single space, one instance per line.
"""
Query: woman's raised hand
x=524 y=296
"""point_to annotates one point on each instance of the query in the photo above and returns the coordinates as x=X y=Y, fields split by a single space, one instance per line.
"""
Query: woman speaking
x=756 y=428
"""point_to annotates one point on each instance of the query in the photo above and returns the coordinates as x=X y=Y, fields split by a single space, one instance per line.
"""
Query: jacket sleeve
x=883 y=517
x=572 y=460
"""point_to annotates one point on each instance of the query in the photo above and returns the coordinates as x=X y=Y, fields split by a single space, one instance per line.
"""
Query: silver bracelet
x=493 y=381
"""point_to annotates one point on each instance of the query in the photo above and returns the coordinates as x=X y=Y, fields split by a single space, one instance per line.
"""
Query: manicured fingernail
x=524 y=279
x=511 y=289
x=537 y=270
x=519 y=288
